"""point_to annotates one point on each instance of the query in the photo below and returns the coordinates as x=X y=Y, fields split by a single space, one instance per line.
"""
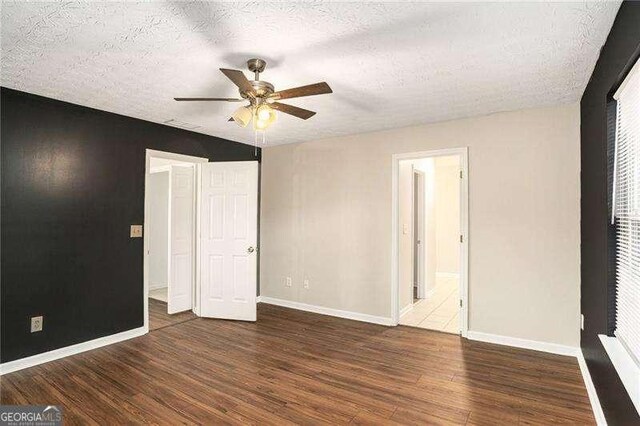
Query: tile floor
x=440 y=310
x=159 y=294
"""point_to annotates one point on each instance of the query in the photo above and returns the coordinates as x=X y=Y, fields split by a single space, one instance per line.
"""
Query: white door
x=228 y=237
x=181 y=241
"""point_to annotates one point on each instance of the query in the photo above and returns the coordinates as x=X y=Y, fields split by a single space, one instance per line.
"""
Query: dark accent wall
x=72 y=183
x=619 y=53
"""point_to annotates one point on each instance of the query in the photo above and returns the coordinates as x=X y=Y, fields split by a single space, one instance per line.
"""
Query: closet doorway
x=200 y=239
x=170 y=195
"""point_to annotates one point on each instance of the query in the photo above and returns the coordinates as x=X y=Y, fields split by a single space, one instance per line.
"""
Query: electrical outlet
x=287 y=282
x=581 y=321
x=305 y=284
x=36 y=324
x=135 y=231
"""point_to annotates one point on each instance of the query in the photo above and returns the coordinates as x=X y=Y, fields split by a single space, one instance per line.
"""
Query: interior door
x=228 y=238
x=181 y=239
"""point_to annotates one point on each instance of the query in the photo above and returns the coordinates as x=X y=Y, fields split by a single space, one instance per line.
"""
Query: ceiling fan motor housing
x=262 y=89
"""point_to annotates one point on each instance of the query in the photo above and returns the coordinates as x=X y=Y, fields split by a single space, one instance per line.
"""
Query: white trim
x=160 y=169
x=155 y=286
x=173 y=156
x=147 y=169
x=591 y=391
x=625 y=366
x=259 y=299
x=552 y=348
x=9 y=367
x=406 y=310
x=635 y=69
x=327 y=311
x=463 y=153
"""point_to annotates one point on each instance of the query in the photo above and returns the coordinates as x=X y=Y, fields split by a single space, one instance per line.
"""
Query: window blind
x=626 y=212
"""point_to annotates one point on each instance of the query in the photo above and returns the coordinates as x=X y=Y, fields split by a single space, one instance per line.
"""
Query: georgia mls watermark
x=30 y=415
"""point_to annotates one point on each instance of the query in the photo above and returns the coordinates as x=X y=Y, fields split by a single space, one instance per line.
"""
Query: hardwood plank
x=159 y=318
x=293 y=367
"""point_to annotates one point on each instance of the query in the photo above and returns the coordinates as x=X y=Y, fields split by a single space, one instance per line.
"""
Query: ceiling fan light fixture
x=264 y=112
x=242 y=116
x=260 y=124
x=265 y=116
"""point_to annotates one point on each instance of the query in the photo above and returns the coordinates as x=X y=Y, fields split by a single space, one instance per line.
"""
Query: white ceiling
x=389 y=64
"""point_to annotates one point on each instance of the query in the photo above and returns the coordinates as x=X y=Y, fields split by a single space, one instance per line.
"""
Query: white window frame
x=624 y=360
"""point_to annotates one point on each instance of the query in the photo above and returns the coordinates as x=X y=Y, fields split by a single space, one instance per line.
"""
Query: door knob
x=251 y=250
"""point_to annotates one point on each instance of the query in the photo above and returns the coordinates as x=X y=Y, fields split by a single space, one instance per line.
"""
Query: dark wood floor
x=159 y=318
x=292 y=367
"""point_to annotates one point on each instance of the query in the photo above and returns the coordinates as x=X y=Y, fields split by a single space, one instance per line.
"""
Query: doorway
x=429 y=246
x=200 y=235
x=170 y=237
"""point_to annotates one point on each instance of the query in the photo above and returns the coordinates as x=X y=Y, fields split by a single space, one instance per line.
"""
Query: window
x=626 y=213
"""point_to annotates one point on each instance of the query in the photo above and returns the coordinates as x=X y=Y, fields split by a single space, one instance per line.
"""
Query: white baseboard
x=535 y=345
x=156 y=286
x=34 y=360
x=327 y=311
x=591 y=391
x=406 y=309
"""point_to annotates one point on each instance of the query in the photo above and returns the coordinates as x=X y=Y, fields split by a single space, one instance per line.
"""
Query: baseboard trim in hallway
x=357 y=316
x=20 y=364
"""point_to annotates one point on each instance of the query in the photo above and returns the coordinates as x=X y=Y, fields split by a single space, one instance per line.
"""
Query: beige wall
x=326 y=216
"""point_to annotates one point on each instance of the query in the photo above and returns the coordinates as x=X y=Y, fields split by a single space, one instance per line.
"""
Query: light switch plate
x=36 y=324
x=136 y=231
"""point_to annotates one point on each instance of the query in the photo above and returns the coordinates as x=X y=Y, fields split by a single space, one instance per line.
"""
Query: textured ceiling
x=389 y=64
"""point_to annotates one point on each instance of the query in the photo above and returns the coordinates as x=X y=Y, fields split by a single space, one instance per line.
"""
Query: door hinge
x=460 y=237
x=461 y=303
x=460 y=174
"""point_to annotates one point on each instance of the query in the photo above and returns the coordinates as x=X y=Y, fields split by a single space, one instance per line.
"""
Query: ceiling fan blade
x=293 y=110
x=210 y=99
x=239 y=79
x=298 y=92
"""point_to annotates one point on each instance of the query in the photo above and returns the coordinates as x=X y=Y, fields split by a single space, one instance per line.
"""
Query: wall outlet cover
x=136 y=231
x=36 y=324
x=305 y=284
x=287 y=282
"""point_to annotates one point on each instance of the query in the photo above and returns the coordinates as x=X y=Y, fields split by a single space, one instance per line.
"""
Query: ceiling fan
x=262 y=97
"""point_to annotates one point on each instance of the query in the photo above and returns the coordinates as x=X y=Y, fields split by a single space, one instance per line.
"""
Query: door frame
x=463 y=154
x=147 y=170
x=418 y=209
